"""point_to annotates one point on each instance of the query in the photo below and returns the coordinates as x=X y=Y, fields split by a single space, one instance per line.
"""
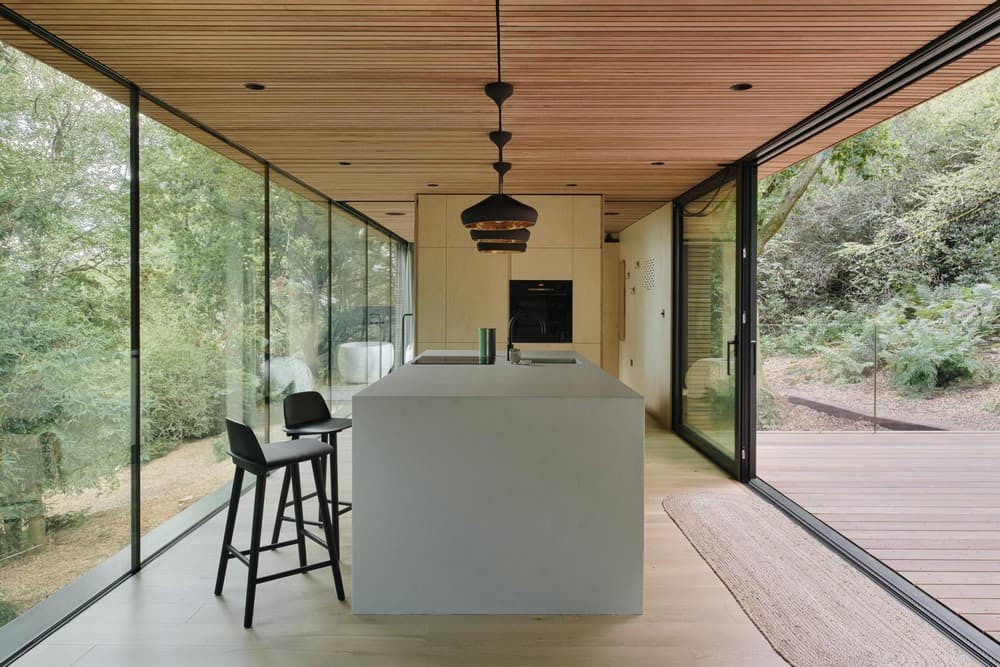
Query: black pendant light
x=499 y=212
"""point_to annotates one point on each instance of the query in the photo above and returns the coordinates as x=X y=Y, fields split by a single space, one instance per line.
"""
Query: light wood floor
x=167 y=615
x=926 y=504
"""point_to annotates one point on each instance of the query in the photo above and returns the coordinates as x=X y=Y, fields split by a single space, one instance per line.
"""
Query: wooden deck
x=926 y=504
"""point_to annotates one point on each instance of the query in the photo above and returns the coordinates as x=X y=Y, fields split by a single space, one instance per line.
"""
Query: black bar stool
x=249 y=456
x=306 y=413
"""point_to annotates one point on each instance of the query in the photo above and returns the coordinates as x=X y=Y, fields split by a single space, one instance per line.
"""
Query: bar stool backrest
x=304 y=408
x=243 y=442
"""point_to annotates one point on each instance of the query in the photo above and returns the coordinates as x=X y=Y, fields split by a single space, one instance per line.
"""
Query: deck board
x=927 y=505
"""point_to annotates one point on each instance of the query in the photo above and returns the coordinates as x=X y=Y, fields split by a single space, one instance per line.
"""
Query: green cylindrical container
x=484 y=345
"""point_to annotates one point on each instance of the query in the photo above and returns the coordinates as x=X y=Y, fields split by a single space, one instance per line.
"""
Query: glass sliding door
x=712 y=257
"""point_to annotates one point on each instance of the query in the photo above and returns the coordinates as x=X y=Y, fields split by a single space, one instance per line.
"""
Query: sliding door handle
x=729 y=344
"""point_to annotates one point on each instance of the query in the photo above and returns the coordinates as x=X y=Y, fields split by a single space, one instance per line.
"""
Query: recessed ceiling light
x=658 y=163
x=571 y=185
x=344 y=164
x=611 y=213
x=432 y=185
x=254 y=86
x=741 y=86
x=394 y=213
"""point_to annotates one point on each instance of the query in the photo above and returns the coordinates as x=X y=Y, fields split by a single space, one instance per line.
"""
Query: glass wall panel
x=64 y=329
x=708 y=284
x=300 y=236
x=402 y=275
x=348 y=335
x=381 y=315
x=202 y=311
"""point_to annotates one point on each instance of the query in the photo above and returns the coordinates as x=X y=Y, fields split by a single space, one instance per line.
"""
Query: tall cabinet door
x=710 y=334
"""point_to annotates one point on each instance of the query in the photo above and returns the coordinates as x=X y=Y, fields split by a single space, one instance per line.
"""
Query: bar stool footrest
x=298 y=570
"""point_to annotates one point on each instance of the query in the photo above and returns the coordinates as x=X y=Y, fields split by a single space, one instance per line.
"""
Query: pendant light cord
x=499 y=104
x=499 y=78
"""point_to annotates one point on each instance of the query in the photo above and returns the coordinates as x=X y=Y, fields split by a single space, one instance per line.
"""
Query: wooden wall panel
x=476 y=295
x=431 y=294
x=542 y=264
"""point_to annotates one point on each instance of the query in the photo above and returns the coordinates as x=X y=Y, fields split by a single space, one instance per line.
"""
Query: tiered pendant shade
x=501 y=235
x=499 y=248
x=499 y=212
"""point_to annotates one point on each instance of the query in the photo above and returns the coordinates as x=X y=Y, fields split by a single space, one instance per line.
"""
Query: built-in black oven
x=541 y=311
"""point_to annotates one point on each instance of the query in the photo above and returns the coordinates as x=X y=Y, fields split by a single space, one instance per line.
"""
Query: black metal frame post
x=329 y=297
x=135 y=402
x=746 y=286
x=266 y=379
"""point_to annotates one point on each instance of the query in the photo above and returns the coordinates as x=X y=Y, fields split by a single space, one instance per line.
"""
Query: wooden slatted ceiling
x=395 y=87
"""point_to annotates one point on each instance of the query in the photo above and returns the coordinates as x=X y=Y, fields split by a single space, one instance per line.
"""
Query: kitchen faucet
x=510 y=328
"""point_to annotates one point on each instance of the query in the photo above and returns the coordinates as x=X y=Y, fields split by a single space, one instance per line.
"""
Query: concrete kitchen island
x=498 y=490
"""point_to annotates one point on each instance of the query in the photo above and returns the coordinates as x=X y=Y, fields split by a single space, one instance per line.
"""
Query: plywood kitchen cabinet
x=460 y=290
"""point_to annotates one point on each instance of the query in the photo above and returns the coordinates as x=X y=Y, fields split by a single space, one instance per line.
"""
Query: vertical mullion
x=367 y=298
x=135 y=405
x=267 y=301
x=679 y=320
x=391 y=296
x=746 y=387
x=329 y=297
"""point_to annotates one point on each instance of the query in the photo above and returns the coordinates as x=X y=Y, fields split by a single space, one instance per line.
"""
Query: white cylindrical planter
x=364 y=362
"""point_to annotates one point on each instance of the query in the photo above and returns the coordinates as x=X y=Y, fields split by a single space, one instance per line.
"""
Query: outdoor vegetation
x=880 y=270
x=65 y=281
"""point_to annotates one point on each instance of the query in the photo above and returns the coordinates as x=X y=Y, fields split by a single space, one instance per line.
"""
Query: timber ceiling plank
x=603 y=89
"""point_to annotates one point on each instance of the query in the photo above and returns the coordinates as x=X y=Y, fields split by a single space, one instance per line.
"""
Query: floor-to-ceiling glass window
x=66 y=288
x=298 y=343
x=708 y=330
x=202 y=310
x=349 y=313
x=64 y=327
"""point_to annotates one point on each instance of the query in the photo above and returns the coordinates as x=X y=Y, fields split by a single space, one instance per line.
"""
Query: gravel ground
x=966 y=408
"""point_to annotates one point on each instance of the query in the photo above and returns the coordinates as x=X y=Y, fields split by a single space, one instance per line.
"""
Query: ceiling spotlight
x=571 y=185
x=254 y=86
x=658 y=163
x=741 y=86
x=432 y=185
x=344 y=164
x=611 y=213
x=394 y=213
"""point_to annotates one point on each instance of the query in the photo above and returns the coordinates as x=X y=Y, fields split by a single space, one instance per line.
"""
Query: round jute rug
x=813 y=607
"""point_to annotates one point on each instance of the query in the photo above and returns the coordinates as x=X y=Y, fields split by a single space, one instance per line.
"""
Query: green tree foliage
x=901 y=227
x=63 y=274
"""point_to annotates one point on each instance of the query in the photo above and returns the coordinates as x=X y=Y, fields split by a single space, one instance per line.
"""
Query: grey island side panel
x=510 y=494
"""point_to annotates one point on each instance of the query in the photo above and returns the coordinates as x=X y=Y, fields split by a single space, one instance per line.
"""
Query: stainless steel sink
x=549 y=360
